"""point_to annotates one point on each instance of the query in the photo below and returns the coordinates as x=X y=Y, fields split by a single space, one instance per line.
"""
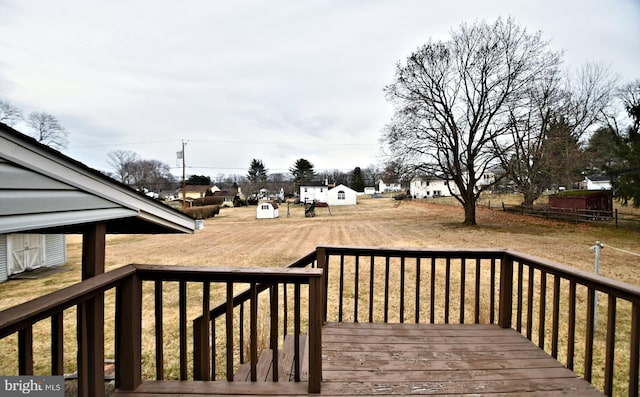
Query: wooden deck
x=413 y=359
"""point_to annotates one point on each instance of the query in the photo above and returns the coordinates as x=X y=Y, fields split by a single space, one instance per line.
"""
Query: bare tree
x=9 y=114
x=122 y=162
x=452 y=101
x=547 y=125
x=47 y=130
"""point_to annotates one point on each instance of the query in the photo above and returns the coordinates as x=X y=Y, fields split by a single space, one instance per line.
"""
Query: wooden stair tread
x=286 y=372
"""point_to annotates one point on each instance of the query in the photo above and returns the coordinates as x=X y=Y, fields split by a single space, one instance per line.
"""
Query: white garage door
x=26 y=252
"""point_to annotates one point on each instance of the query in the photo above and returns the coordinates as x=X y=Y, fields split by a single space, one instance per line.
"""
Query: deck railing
x=129 y=282
x=540 y=299
x=588 y=322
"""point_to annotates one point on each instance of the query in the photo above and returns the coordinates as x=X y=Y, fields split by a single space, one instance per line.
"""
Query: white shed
x=45 y=195
x=341 y=195
x=267 y=210
x=22 y=252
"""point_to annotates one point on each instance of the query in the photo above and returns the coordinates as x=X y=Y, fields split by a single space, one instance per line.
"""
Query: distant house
x=369 y=190
x=341 y=195
x=597 y=182
x=430 y=187
x=194 y=191
x=314 y=191
x=389 y=186
x=228 y=195
x=267 y=210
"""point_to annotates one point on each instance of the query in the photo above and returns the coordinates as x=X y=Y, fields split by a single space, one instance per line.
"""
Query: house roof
x=597 y=178
x=196 y=188
x=45 y=191
x=225 y=193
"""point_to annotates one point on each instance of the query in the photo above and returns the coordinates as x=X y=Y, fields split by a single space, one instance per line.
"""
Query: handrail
x=18 y=317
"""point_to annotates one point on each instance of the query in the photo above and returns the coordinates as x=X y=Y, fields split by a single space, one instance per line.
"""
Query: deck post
x=128 y=337
x=506 y=291
x=315 y=333
x=321 y=260
x=91 y=316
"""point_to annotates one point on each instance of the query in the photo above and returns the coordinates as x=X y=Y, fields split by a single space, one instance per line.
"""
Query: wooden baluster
x=57 y=344
x=315 y=335
x=447 y=290
x=273 y=343
x=634 y=349
x=402 y=268
x=542 y=314
x=418 y=275
x=492 y=299
x=611 y=344
x=386 y=291
x=571 y=332
x=356 y=289
x=588 y=350
x=229 y=331
x=296 y=331
x=253 y=325
x=182 y=318
x=519 y=297
x=159 y=321
x=556 y=316
x=371 y=285
x=128 y=334
x=530 y=304
x=341 y=288
x=476 y=308
x=432 y=307
x=25 y=351
x=463 y=281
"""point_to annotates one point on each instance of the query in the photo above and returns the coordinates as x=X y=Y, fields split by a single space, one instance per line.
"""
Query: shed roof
x=43 y=190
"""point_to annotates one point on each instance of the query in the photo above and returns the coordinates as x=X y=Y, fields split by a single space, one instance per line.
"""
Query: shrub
x=208 y=200
x=203 y=212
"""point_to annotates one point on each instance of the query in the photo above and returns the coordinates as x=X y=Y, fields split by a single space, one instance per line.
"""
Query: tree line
x=153 y=175
x=496 y=97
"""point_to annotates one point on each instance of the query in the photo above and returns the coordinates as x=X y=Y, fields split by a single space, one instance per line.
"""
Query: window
x=341 y=195
x=305 y=189
x=264 y=206
x=321 y=190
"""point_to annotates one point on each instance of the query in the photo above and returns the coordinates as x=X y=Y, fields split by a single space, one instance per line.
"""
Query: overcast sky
x=272 y=80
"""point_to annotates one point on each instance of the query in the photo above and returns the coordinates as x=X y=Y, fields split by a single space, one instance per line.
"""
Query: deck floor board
x=413 y=359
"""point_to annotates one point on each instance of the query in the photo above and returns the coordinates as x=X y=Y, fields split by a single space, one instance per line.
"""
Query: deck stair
x=286 y=369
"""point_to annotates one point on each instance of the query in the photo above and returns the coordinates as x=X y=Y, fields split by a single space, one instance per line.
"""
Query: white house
x=389 y=186
x=314 y=191
x=341 y=195
x=430 y=187
x=267 y=210
x=597 y=182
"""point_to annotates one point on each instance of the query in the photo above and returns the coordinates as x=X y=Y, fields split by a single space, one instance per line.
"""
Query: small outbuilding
x=267 y=210
x=341 y=195
x=575 y=200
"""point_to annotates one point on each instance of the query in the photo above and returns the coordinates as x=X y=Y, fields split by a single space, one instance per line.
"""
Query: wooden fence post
x=506 y=291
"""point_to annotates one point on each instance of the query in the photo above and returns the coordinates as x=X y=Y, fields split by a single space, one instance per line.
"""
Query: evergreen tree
x=357 y=180
x=302 y=171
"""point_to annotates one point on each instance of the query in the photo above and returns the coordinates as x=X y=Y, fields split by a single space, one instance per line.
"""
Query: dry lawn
x=236 y=238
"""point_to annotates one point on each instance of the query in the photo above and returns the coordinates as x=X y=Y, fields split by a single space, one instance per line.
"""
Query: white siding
x=3 y=257
x=55 y=250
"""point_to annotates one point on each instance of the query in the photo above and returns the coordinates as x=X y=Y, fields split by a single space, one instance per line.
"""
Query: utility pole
x=184 y=179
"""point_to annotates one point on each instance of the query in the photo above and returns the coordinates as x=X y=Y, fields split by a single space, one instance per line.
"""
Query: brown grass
x=236 y=238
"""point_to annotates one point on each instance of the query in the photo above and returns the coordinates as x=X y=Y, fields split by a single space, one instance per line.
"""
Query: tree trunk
x=470 y=212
